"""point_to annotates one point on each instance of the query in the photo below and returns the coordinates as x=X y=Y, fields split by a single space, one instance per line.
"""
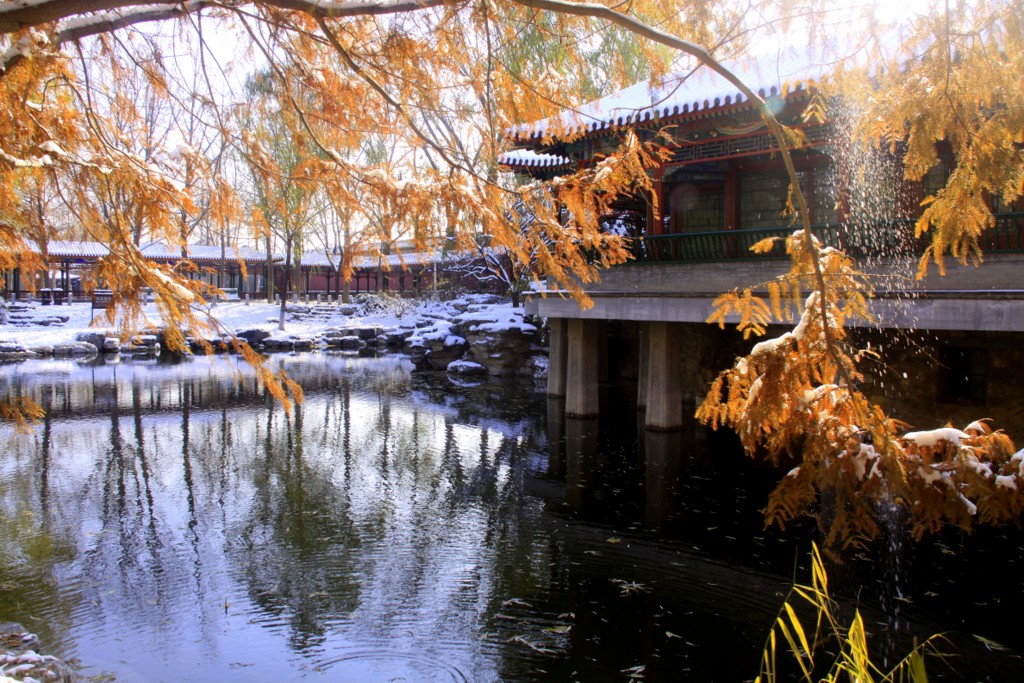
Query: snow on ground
x=33 y=325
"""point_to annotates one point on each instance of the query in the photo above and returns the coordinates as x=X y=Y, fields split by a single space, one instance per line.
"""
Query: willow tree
x=401 y=69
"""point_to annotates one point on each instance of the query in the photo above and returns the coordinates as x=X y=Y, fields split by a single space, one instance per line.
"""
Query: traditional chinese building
x=724 y=189
x=244 y=271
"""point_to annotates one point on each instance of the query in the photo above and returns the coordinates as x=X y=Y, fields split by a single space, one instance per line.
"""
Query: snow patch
x=770 y=345
x=1006 y=481
x=929 y=475
x=931 y=438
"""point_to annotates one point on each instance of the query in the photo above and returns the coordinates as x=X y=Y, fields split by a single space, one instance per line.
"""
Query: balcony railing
x=896 y=237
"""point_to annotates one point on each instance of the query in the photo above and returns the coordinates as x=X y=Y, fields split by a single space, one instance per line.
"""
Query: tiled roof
x=72 y=249
x=525 y=158
x=418 y=258
x=690 y=92
x=158 y=251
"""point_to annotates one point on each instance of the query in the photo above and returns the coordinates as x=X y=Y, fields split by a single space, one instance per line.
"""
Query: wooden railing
x=721 y=245
x=892 y=238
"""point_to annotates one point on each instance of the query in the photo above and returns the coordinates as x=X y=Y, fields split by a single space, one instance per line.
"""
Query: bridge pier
x=557 y=355
x=643 y=365
x=583 y=368
x=664 y=398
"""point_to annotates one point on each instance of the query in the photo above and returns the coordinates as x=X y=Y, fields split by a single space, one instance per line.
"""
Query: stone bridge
x=647 y=323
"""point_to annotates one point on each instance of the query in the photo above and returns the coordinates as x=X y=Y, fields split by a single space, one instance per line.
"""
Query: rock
x=111 y=344
x=20 y=658
x=537 y=367
x=503 y=351
x=12 y=351
x=279 y=343
x=442 y=352
x=346 y=343
x=396 y=337
x=253 y=335
x=348 y=310
x=96 y=338
x=73 y=350
x=466 y=368
x=42 y=350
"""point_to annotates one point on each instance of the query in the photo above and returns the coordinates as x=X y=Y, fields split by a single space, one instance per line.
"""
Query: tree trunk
x=269 y=282
x=284 y=283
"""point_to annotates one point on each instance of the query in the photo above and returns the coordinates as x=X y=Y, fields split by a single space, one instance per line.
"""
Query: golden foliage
x=20 y=411
x=955 y=81
x=796 y=396
x=840 y=652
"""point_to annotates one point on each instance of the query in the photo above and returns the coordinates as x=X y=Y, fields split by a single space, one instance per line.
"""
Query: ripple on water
x=370 y=664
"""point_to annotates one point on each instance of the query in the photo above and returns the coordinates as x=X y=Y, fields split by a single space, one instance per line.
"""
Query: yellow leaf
x=764 y=246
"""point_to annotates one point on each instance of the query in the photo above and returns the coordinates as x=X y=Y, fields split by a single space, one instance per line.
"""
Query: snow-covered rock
x=73 y=350
x=466 y=368
x=14 y=351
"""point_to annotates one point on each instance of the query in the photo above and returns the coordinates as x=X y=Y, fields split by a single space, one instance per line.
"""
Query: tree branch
x=22 y=15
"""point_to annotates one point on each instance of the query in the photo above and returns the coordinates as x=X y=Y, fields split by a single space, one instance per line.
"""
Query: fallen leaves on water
x=635 y=671
x=532 y=646
x=629 y=587
x=517 y=602
x=990 y=644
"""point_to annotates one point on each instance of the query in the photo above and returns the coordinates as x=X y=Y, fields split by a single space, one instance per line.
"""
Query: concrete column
x=664 y=377
x=581 y=392
x=642 y=368
x=557 y=351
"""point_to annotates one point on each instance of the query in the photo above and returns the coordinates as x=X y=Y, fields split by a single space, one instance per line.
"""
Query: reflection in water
x=172 y=522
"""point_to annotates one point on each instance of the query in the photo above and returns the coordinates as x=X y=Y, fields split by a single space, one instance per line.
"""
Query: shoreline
x=469 y=335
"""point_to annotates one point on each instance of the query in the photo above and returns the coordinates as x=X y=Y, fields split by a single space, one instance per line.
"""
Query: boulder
x=345 y=343
x=466 y=368
x=73 y=350
x=442 y=352
x=279 y=343
x=367 y=333
x=96 y=338
x=396 y=337
x=19 y=656
x=254 y=336
x=503 y=351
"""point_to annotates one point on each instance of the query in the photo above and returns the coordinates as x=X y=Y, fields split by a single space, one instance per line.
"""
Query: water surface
x=171 y=522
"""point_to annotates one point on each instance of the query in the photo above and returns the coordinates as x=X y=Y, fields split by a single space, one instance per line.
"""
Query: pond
x=171 y=522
